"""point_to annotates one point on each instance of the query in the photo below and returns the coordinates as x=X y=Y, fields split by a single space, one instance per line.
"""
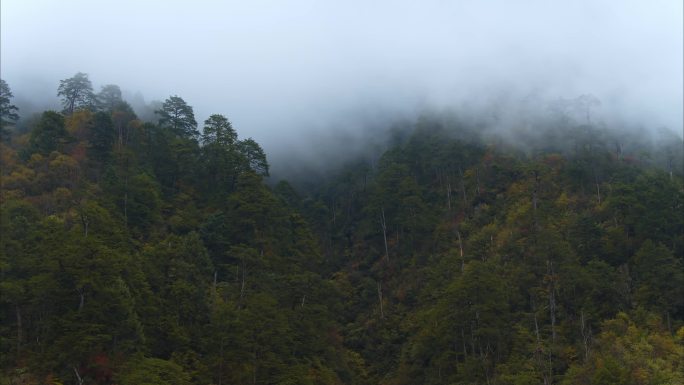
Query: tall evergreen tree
x=76 y=92
x=48 y=135
x=218 y=130
x=176 y=115
x=8 y=111
x=102 y=136
x=254 y=156
x=109 y=97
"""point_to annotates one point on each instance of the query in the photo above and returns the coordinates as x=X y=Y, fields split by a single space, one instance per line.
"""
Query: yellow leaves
x=18 y=183
x=52 y=379
x=664 y=346
x=519 y=212
x=62 y=197
x=19 y=178
x=41 y=176
x=565 y=202
x=640 y=375
x=519 y=190
x=35 y=160
x=78 y=123
x=680 y=335
x=10 y=195
x=469 y=173
x=54 y=221
x=21 y=141
x=647 y=352
x=618 y=325
x=570 y=353
x=63 y=166
x=8 y=158
x=60 y=160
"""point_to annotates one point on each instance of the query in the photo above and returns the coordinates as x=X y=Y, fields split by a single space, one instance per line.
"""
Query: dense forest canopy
x=157 y=252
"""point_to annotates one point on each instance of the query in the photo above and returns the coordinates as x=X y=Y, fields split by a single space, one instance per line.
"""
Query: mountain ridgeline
x=148 y=252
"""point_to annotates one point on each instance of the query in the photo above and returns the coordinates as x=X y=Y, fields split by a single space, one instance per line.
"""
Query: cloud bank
x=287 y=71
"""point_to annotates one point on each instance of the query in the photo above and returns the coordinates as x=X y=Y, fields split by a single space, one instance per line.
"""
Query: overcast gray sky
x=280 y=70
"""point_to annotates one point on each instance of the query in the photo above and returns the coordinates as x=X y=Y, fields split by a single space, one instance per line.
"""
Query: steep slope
x=135 y=251
x=462 y=262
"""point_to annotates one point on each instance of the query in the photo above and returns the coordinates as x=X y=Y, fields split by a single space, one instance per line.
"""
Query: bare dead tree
x=383 y=225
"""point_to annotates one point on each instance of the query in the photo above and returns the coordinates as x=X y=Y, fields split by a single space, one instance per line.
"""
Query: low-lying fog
x=305 y=77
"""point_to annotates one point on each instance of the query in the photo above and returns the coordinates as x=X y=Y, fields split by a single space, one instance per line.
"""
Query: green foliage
x=219 y=157
x=152 y=371
x=176 y=115
x=631 y=353
x=109 y=97
x=8 y=111
x=48 y=135
x=254 y=157
x=77 y=93
x=658 y=279
x=481 y=240
x=136 y=253
x=102 y=136
x=218 y=130
x=179 y=273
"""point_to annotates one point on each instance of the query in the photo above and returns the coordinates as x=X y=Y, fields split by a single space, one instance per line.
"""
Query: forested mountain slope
x=148 y=252
x=468 y=263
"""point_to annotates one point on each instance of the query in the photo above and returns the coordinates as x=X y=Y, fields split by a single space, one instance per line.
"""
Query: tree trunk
x=126 y=200
x=618 y=150
x=463 y=190
x=214 y=283
x=465 y=350
x=85 y=222
x=81 y=294
x=78 y=376
x=539 y=350
x=242 y=284
x=460 y=247
x=552 y=301
x=535 y=199
x=449 y=196
x=383 y=224
x=586 y=335
x=382 y=312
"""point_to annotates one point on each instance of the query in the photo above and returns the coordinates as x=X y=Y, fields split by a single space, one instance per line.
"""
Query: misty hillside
x=443 y=251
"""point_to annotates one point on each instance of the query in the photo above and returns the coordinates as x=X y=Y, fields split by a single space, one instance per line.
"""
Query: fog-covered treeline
x=460 y=247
